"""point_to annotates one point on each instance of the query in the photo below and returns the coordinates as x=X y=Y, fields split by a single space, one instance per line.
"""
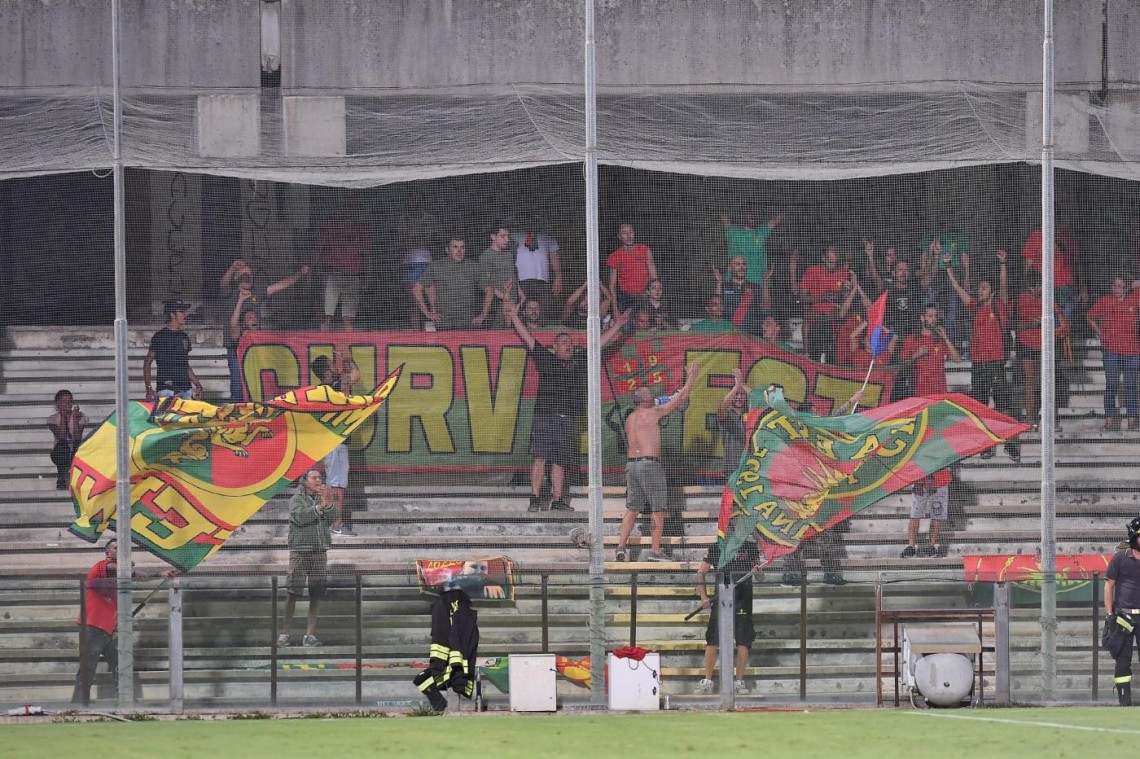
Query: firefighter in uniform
x=1122 y=604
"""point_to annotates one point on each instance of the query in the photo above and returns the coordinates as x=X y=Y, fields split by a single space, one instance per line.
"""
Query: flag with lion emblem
x=801 y=474
x=199 y=471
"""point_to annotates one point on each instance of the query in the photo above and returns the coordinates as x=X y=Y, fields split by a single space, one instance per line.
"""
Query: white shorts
x=336 y=467
x=932 y=504
x=344 y=289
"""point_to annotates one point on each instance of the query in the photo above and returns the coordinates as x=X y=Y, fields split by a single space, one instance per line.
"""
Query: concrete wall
x=426 y=43
x=410 y=43
x=171 y=43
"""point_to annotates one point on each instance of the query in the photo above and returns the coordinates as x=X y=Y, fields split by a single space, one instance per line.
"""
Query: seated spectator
x=1028 y=344
x=248 y=297
x=532 y=316
x=714 y=323
x=66 y=425
x=641 y=320
x=631 y=269
x=744 y=302
x=930 y=499
x=1115 y=318
x=343 y=253
x=577 y=308
x=821 y=289
x=654 y=303
x=770 y=331
x=447 y=288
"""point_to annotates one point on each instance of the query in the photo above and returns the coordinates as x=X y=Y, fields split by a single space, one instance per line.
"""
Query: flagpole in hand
x=758 y=567
x=859 y=395
x=878 y=340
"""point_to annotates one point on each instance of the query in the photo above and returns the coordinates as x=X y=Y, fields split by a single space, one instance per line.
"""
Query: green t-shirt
x=753 y=245
x=455 y=285
x=497 y=269
x=709 y=327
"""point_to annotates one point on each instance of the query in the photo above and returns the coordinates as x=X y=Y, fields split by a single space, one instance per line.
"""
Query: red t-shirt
x=1118 y=320
x=101 y=597
x=1029 y=309
x=632 y=268
x=1062 y=270
x=930 y=370
x=844 y=355
x=939 y=479
x=818 y=282
x=991 y=321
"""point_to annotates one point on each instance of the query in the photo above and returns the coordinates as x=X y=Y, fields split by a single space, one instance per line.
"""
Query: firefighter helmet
x=1134 y=533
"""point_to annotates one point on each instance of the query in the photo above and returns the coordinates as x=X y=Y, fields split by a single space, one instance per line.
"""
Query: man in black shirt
x=170 y=350
x=904 y=302
x=560 y=399
x=1122 y=604
x=740 y=566
x=730 y=420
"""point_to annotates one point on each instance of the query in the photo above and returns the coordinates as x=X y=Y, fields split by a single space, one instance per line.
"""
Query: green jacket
x=309 y=527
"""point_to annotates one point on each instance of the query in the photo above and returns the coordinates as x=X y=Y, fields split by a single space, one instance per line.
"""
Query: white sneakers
x=706 y=687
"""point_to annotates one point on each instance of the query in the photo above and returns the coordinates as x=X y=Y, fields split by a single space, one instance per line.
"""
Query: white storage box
x=634 y=685
x=531 y=678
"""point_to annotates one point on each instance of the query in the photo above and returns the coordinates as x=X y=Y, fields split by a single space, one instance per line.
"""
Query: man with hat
x=170 y=350
x=1122 y=604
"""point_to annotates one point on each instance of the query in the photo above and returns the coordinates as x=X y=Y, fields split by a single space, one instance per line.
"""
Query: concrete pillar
x=176 y=237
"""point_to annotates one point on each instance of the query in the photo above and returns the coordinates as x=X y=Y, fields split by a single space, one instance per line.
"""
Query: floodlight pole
x=1047 y=399
x=126 y=642
x=594 y=389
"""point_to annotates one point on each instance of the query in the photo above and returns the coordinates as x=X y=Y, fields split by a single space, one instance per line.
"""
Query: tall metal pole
x=594 y=395
x=1048 y=402
x=122 y=431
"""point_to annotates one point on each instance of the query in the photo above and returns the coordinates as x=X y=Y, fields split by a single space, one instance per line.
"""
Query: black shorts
x=744 y=631
x=1027 y=353
x=554 y=437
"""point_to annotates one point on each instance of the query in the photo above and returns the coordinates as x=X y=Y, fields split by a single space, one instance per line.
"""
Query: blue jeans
x=1114 y=365
x=236 y=394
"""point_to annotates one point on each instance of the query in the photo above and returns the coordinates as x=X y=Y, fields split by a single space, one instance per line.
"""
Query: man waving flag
x=802 y=474
x=199 y=471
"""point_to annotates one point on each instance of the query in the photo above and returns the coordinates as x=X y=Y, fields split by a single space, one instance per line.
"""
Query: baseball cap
x=170 y=306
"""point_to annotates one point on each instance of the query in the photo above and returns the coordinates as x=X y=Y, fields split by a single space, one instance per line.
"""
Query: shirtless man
x=644 y=474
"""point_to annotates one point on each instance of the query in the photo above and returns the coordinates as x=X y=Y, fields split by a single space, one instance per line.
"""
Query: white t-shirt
x=534 y=263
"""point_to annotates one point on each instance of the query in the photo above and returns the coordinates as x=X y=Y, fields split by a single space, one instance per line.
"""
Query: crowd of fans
x=946 y=299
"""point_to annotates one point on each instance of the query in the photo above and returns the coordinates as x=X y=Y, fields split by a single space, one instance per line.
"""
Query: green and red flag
x=801 y=474
x=199 y=471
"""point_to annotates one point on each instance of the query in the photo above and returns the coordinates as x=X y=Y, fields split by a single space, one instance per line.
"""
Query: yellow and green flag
x=199 y=471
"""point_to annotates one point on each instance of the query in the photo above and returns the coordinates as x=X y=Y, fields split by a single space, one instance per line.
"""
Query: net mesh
x=380 y=226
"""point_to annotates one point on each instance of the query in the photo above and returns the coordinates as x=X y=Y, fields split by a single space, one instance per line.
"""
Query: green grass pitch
x=847 y=733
